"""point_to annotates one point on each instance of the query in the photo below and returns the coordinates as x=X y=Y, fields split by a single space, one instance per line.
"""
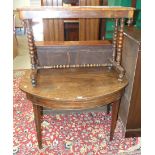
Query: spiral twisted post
x=32 y=51
x=119 y=49
x=120 y=42
x=115 y=34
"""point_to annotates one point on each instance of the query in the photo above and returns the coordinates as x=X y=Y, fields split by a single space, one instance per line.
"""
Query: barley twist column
x=32 y=50
x=119 y=48
x=120 y=42
x=115 y=34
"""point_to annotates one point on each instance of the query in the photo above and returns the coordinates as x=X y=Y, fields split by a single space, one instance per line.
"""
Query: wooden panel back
x=59 y=12
x=89 y=28
x=73 y=53
x=53 y=29
x=129 y=62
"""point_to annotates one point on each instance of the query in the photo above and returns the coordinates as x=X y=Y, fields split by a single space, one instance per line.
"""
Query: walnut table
x=74 y=88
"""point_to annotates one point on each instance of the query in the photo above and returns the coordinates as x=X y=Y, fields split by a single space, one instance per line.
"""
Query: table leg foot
x=37 y=118
x=115 y=108
x=33 y=77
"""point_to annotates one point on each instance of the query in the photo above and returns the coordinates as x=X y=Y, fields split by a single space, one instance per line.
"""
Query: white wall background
x=21 y=3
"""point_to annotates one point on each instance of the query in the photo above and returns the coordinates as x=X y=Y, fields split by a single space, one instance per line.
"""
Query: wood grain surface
x=76 y=12
x=74 y=88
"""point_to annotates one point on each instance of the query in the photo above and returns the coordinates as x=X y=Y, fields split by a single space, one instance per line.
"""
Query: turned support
x=117 y=48
x=115 y=35
x=120 y=48
x=32 y=51
x=120 y=42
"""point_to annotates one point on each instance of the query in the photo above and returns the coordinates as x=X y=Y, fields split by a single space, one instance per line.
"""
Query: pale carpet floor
x=22 y=60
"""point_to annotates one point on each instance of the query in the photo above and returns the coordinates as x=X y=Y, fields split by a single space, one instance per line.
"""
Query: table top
x=76 y=12
x=73 y=84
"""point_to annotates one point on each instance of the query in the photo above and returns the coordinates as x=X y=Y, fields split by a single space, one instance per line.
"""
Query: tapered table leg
x=115 y=107
x=108 y=108
x=41 y=111
x=37 y=118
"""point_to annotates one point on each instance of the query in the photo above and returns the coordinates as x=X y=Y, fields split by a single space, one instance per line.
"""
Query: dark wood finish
x=108 y=108
x=119 y=45
x=75 y=81
x=136 y=96
x=53 y=29
x=72 y=2
x=102 y=29
x=71 y=31
x=76 y=12
x=120 y=42
x=130 y=107
x=115 y=36
x=117 y=48
x=37 y=118
x=74 y=53
x=103 y=23
x=134 y=117
x=32 y=50
x=115 y=108
x=59 y=29
x=83 y=12
x=89 y=28
x=80 y=88
x=73 y=43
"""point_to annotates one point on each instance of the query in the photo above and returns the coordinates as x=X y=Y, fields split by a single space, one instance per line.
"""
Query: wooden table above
x=74 y=88
x=77 y=88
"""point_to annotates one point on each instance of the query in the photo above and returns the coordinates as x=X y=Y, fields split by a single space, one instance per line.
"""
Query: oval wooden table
x=74 y=88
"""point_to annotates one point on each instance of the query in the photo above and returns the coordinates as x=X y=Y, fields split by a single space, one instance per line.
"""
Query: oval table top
x=74 y=84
